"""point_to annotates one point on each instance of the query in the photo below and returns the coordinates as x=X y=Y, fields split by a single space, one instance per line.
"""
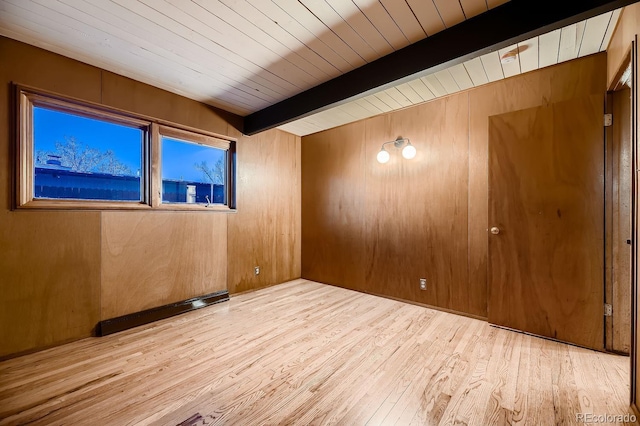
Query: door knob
x=495 y=230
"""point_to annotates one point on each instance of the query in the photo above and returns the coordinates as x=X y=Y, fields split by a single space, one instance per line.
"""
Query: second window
x=194 y=169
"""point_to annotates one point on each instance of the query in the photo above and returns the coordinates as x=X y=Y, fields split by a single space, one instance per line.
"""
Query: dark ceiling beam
x=510 y=23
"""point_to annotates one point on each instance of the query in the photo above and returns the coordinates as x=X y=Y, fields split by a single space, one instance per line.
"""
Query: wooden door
x=546 y=197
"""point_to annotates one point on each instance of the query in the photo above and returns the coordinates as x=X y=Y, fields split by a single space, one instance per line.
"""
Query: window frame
x=158 y=132
x=26 y=98
x=25 y=194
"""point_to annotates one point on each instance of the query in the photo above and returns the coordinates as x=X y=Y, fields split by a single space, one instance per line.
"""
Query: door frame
x=634 y=225
x=618 y=192
x=631 y=58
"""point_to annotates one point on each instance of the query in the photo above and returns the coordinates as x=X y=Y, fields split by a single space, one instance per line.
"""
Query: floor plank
x=308 y=353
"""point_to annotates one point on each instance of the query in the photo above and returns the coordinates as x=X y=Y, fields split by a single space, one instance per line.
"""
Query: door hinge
x=608 y=120
x=608 y=310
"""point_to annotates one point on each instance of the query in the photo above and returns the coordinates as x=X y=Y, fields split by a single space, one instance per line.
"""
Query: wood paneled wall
x=379 y=228
x=333 y=199
x=50 y=262
x=63 y=271
x=620 y=45
x=265 y=231
x=151 y=259
x=416 y=211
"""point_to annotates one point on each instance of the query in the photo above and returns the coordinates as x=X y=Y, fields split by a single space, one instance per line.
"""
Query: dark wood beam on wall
x=512 y=22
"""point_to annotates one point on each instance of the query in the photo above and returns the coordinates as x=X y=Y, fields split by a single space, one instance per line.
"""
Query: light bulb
x=409 y=151
x=383 y=156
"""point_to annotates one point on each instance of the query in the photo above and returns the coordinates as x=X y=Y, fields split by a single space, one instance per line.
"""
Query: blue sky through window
x=179 y=159
x=51 y=126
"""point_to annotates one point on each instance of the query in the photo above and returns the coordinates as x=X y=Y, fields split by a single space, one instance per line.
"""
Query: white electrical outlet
x=256 y=270
x=423 y=283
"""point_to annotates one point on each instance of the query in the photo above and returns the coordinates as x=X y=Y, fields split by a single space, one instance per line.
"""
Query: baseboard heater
x=136 y=319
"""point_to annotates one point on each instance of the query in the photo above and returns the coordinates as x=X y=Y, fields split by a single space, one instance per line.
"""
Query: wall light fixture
x=408 y=152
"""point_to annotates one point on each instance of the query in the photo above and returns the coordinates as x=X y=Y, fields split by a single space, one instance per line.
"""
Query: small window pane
x=192 y=173
x=82 y=158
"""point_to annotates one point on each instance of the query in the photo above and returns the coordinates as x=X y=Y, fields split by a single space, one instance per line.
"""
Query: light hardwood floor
x=307 y=353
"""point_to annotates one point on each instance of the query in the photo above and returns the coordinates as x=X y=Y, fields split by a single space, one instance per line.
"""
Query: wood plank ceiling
x=573 y=41
x=244 y=55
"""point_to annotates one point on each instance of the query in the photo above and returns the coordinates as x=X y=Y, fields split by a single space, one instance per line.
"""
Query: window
x=73 y=154
x=195 y=170
x=85 y=158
